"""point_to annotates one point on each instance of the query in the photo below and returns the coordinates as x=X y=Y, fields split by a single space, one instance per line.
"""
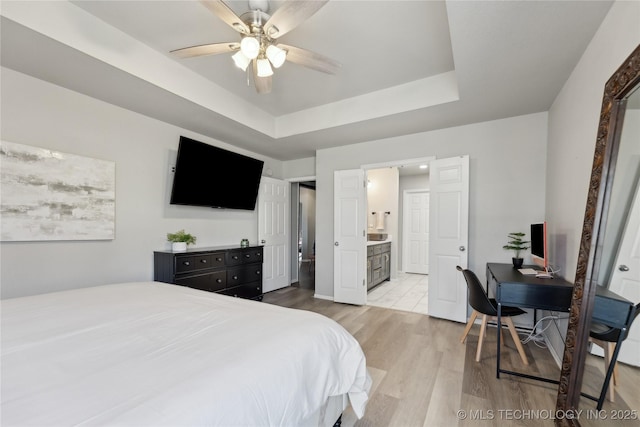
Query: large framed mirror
x=613 y=185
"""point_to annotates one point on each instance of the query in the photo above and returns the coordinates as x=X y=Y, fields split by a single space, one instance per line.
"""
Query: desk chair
x=607 y=337
x=482 y=304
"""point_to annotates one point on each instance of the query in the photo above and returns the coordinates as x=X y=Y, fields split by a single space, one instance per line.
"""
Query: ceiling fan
x=259 y=32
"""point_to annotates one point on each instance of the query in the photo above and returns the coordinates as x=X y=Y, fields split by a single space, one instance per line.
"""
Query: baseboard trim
x=325 y=297
x=552 y=350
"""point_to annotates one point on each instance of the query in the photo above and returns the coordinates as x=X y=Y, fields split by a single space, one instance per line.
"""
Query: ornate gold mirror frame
x=617 y=89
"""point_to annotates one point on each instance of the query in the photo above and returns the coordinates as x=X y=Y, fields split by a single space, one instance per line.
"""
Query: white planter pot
x=179 y=246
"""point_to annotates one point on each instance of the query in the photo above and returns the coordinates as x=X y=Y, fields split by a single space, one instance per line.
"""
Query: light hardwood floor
x=423 y=376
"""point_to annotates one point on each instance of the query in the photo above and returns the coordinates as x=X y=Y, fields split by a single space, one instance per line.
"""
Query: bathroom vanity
x=378 y=262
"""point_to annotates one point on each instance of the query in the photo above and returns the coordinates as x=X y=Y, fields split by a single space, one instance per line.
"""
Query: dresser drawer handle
x=258 y=254
x=219 y=280
x=204 y=261
x=186 y=263
x=218 y=259
x=247 y=256
x=235 y=277
x=258 y=272
x=235 y=257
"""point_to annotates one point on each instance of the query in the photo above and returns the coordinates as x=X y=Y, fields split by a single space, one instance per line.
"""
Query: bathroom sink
x=374 y=237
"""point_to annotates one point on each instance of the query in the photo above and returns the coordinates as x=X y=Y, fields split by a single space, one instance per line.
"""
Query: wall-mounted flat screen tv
x=210 y=176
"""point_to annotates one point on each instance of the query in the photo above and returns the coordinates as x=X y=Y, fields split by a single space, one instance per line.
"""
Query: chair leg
x=608 y=352
x=612 y=347
x=516 y=339
x=608 y=348
x=472 y=319
x=483 y=329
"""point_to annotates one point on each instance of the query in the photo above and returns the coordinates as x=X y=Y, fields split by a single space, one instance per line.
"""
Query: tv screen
x=210 y=176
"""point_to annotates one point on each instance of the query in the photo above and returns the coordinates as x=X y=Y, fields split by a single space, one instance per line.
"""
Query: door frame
x=293 y=251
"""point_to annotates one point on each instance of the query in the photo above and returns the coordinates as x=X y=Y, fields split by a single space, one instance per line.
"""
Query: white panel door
x=273 y=232
x=625 y=280
x=415 y=236
x=350 y=249
x=448 y=237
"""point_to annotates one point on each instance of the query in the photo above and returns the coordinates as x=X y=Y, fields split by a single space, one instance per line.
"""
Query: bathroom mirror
x=610 y=187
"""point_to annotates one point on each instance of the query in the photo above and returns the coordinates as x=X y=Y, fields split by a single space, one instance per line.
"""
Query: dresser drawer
x=206 y=282
x=244 y=256
x=187 y=263
x=248 y=290
x=239 y=275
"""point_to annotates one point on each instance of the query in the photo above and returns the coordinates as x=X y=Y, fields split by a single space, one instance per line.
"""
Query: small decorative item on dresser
x=244 y=243
x=179 y=240
x=516 y=244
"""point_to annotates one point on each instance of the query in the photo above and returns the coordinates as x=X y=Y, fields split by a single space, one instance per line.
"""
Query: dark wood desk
x=518 y=290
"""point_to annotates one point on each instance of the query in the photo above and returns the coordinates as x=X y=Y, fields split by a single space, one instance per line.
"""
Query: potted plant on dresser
x=179 y=240
x=517 y=245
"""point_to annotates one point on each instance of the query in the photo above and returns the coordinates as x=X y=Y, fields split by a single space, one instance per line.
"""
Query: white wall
x=507 y=182
x=44 y=115
x=573 y=124
x=382 y=196
x=299 y=168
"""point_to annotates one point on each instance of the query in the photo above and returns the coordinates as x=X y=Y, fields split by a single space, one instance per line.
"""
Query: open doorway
x=404 y=198
x=305 y=235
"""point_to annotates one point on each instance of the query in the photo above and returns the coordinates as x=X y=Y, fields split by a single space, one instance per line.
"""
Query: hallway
x=407 y=293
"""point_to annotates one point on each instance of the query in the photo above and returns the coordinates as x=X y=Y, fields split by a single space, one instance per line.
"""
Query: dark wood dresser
x=233 y=271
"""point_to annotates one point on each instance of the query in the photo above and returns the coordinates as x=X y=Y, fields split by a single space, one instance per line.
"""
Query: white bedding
x=159 y=354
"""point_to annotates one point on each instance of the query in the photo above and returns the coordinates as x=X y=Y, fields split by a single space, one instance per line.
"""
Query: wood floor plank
x=445 y=398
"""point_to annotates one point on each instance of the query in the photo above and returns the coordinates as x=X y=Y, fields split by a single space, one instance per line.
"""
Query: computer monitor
x=539 y=253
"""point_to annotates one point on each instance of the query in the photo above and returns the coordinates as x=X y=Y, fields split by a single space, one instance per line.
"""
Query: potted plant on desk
x=179 y=240
x=516 y=244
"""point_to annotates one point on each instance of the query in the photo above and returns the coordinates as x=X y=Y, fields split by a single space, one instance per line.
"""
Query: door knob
x=336 y=244
x=623 y=267
x=462 y=248
x=263 y=241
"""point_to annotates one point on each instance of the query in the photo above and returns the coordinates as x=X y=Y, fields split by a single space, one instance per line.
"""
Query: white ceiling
x=407 y=66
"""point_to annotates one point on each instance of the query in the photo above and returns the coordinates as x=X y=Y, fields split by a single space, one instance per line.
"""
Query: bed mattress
x=159 y=354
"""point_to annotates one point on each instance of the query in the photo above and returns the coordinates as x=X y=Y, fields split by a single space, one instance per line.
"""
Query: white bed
x=158 y=354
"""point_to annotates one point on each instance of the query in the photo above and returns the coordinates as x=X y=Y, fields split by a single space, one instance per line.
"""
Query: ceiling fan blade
x=206 y=49
x=224 y=12
x=262 y=84
x=290 y=15
x=310 y=59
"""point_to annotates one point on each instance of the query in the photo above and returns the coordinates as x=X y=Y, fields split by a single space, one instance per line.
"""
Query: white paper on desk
x=528 y=271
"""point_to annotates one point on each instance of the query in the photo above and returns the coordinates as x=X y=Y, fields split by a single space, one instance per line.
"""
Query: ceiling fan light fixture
x=241 y=61
x=276 y=55
x=264 y=68
x=250 y=47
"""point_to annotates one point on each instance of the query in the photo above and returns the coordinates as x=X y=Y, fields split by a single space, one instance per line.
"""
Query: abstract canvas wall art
x=48 y=195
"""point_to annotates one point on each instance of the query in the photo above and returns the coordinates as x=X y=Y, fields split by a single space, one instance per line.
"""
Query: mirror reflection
x=619 y=265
